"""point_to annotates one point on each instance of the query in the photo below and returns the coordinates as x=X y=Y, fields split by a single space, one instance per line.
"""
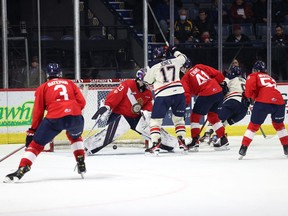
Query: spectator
x=206 y=40
x=34 y=73
x=280 y=38
x=203 y=23
x=241 y=12
x=184 y=30
x=260 y=11
x=213 y=12
x=235 y=62
x=279 y=55
x=237 y=38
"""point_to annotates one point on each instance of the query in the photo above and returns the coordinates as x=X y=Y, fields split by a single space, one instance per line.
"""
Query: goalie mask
x=53 y=70
x=140 y=74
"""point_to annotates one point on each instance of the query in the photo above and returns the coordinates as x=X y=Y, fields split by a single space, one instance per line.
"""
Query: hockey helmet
x=140 y=74
x=160 y=53
x=53 y=70
x=259 y=66
x=186 y=65
x=233 y=72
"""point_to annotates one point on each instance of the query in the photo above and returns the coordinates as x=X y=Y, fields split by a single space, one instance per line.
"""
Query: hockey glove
x=102 y=113
x=172 y=50
x=29 y=136
x=246 y=101
x=224 y=87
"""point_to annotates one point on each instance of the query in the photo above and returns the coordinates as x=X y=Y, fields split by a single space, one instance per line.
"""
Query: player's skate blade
x=242 y=151
x=80 y=166
x=182 y=146
x=17 y=175
x=194 y=145
x=222 y=144
x=206 y=136
x=154 y=150
x=285 y=149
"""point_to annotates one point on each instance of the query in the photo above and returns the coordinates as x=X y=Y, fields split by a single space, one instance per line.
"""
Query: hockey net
x=95 y=92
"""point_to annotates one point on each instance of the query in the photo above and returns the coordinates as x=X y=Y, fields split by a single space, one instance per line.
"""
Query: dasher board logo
x=16 y=115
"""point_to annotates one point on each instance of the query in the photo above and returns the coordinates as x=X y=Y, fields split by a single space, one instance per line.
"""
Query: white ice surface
x=125 y=182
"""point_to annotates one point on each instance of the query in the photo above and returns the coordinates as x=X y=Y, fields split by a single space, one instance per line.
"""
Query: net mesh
x=95 y=92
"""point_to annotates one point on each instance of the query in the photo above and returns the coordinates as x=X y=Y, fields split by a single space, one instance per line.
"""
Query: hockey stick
x=261 y=129
x=96 y=123
x=264 y=134
x=235 y=56
x=166 y=42
x=205 y=122
x=10 y=154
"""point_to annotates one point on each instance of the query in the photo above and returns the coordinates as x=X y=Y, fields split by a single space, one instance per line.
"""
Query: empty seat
x=261 y=30
x=285 y=27
x=46 y=37
x=97 y=37
x=226 y=30
x=248 y=30
x=67 y=37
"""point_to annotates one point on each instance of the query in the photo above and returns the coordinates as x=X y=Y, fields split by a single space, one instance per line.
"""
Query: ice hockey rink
x=126 y=182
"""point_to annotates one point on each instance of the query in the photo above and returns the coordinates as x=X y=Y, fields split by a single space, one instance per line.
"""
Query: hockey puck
x=114 y=147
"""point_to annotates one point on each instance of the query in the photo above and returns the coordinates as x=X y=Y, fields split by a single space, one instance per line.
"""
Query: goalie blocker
x=118 y=127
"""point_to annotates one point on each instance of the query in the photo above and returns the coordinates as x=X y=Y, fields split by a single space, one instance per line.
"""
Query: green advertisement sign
x=16 y=116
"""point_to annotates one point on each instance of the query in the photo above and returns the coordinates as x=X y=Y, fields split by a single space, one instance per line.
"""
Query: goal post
x=95 y=92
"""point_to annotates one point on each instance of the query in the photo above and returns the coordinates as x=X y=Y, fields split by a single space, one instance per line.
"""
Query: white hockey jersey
x=165 y=76
x=236 y=87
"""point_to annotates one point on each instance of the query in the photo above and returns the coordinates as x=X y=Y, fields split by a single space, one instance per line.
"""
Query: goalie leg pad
x=143 y=128
x=166 y=138
x=107 y=135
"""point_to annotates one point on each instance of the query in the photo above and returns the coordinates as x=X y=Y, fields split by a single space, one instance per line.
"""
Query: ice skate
x=182 y=145
x=214 y=140
x=285 y=148
x=206 y=136
x=194 y=145
x=16 y=176
x=221 y=144
x=81 y=167
x=155 y=149
x=242 y=151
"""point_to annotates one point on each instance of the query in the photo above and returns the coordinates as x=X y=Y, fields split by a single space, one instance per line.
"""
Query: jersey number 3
x=63 y=91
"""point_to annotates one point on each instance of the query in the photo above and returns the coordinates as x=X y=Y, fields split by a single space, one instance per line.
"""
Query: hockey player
x=209 y=130
x=204 y=82
x=63 y=102
x=261 y=88
x=234 y=107
x=164 y=74
x=128 y=106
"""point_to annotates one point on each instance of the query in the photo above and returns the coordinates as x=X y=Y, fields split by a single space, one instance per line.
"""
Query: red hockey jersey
x=201 y=80
x=262 y=88
x=127 y=100
x=60 y=97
